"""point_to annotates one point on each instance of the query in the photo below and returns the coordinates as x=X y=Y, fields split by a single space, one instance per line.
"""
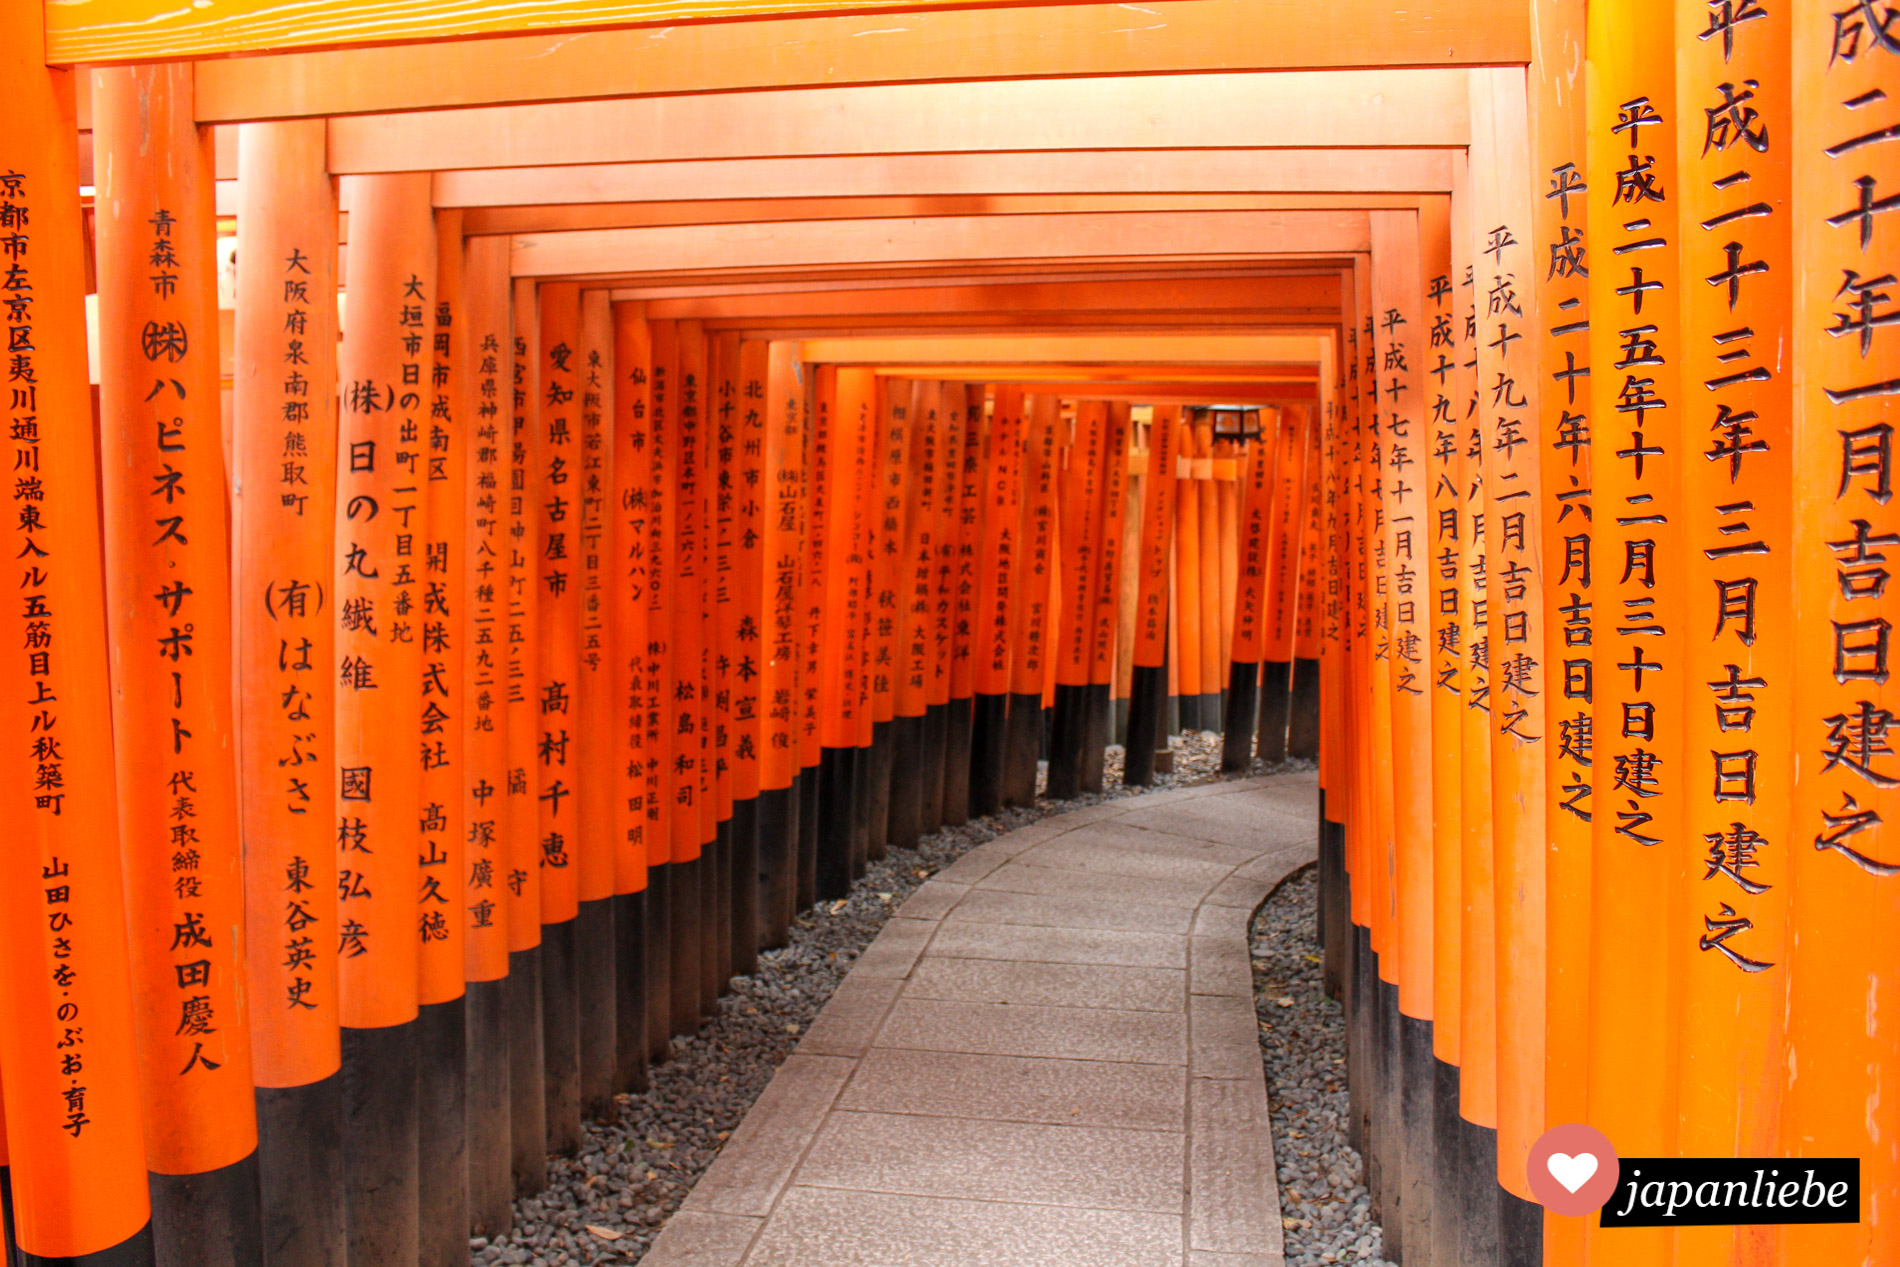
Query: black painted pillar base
x=1098 y=715
x=300 y=1173
x=1065 y=742
x=1520 y=1230
x=659 y=948
x=379 y=1143
x=832 y=865
x=1022 y=748
x=491 y=1183
x=1187 y=712
x=989 y=722
x=906 y=783
x=1416 y=1124
x=1302 y=734
x=1118 y=726
x=1334 y=911
x=631 y=1048
x=211 y=1218
x=527 y=1090
x=932 y=736
x=442 y=1134
x=957 y=724
x=877 y=822
x=683 y=1000
x=596 y=956
x=862 y=768
x=1478 y=1192
x=805 y=876
x=1275 y=681
x=1147 y=702
x=1243 y=703
x=778 y=863
x=715 y=901
x=745 y=887
x=561 y=1036
x=1447 y=1206
x=1359 y=1066
x=135 y=1250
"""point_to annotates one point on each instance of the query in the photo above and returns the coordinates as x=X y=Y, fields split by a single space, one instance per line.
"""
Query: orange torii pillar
x=527 y=1092
x=555 y=772
x=381 y=521
x=68 y=1050
x=597 y=715
x=1325 y=606
x=864 y=573
x=655 y=697
x=1148 y=686
x=1187 y=607
x=442 y=1018
x=809 y=628
x=1302 y=736
x=1078 y=545
x=1098 y=715
x=1283 y=584
x=1035 y=573
x=845 y=403
x=1214 y=485
x=886 y=509
x=639 y=845
x=783 y=496
x=1843 y=862
x=940 y=626
x=484 y=775
x=718 y=385
x=284 y=413
x=742 y=494
x=169 y=622
x=995 y=606
x=912 y=763
x=964 y=403
x=1259 y=480
x=1559 y=224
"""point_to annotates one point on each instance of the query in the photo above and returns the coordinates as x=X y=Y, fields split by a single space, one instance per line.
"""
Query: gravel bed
x=1324 y=1207
x=607 y=1204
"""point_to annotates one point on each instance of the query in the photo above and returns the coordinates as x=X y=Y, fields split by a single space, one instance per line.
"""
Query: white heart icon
x=1572 y=1172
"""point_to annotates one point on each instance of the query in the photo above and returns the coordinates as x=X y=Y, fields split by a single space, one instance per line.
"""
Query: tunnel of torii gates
x=502 y=524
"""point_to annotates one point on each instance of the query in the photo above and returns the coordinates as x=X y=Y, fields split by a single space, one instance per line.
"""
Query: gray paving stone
x=1212 y=1258
x=1018 y=1088
x=1222 y=1039
x=1089 y=1167
x=754 y=1166
x=1034 y=874
x=964 y=939
x=819 y=1227
x=1246 y=892
x=850 y=1021
x=1228 y=922
x=1238 y=821
x=695 y=1238
x=893 y=952
x=933 y=899
x=1074 y=1033
x=1051 y=984
x=1129 y=851
x=974 y=865
x=997 y=906
x=1276 y=865
x=1233 y=1202
x=1219 y=965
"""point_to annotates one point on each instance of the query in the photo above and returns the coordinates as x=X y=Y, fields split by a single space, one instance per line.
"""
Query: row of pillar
x=1605 y=638
x=505 y=670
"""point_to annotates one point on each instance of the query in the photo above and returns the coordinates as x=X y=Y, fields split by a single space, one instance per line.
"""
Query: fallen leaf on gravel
x=839 y=905
x=605 y=1233
x=1284 y=1001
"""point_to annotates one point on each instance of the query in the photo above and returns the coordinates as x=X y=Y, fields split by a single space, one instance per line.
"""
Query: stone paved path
x=1047 y=1057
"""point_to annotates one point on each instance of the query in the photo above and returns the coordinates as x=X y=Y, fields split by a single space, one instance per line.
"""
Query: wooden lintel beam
x=1249 y=295
x=1292 y=109
x=855 y=243
x=1108 y=354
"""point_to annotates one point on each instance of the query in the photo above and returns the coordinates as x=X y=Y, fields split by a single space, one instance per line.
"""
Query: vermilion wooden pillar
x=1034 y=576
x=1099 y=713
x=887 y=518
x=599 y=719
x=527 y=1090
x=1148 y=690
x=556 y=770
x=482 y=887
x=378 y=590
x=281 y=526
x=1303 y=724
x=995 y=607
x=916 y=759
x=1286 y=521
x=845 y=404
x=168 y=608
x=75 y=1127
x=742 y=493
x=657 y=695
x=442 y=626
x=784 y=497
x=697 y=536
x=1080 y=552
x=1843 y=859
x=968 y=400
x=1258 y=482
x=638 y=825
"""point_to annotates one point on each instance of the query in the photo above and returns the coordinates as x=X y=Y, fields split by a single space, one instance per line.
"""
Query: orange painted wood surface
x=787 y=498
x=521 y=813
x=601 y=713
x=639 y=806
x=556 y=772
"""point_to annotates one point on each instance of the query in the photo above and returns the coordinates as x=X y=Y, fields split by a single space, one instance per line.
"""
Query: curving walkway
x=1048 y=1056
